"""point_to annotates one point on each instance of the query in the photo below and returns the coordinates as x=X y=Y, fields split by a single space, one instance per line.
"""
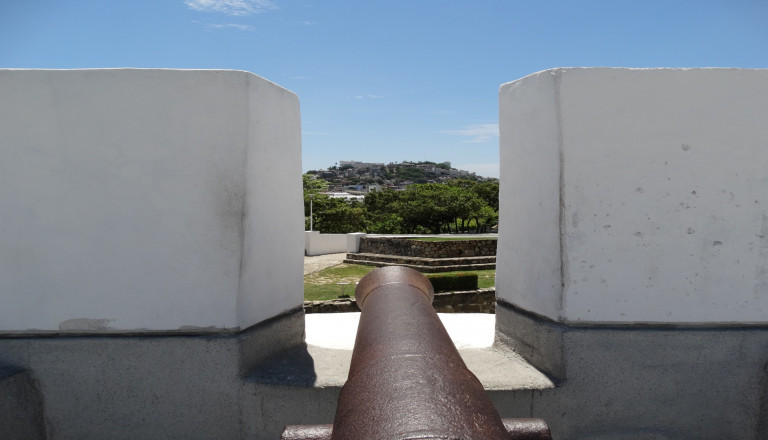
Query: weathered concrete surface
x=539 y=341
x=643 y=382
x=129 y=387
x=21 y=406
x=617 y=383
x=131 y=200
x=270 y=337
x=633 y=254
x=305 y=382
x=635 y=195
x=332 y=338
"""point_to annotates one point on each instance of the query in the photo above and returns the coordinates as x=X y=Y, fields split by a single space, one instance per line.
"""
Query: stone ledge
x=423 y=261
x=426 y=265
x=470 y=301
x=458 y=246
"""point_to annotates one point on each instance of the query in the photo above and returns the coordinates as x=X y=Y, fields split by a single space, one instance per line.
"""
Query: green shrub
x=453 y=282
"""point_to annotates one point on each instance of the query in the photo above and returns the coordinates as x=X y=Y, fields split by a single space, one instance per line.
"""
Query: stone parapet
x=409 y=247
x=426 y=265
x=471 y=301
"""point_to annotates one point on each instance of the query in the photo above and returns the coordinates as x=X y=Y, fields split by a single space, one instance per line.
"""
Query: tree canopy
x=459 y=206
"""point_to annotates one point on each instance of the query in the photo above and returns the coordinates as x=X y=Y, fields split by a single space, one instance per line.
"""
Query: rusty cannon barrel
x=406 y=379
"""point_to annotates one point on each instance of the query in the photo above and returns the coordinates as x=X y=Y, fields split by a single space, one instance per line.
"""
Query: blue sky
x=390 y=80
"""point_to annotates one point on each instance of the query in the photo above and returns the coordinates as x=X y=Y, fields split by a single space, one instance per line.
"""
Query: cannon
x=406 y=379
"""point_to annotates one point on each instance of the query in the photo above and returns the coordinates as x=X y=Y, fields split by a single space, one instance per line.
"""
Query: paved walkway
x=320 y=262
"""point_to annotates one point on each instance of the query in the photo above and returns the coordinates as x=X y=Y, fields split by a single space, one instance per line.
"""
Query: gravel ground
x=320 y=262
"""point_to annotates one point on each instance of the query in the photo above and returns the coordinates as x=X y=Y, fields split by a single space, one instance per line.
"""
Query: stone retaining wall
x=472 y=301
x=428 y=249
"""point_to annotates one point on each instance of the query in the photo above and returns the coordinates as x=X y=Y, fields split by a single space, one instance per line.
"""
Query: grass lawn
x=324 y=285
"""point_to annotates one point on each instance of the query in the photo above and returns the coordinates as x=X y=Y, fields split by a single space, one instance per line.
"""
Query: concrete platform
x=324 y=361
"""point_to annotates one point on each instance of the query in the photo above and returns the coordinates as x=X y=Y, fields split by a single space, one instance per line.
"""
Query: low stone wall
x=409 y=247
x=472 y=301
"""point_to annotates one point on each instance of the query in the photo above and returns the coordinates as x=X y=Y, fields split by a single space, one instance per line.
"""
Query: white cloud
x=371 y=96
x=240 y=27
x=231 y=7
x=476 y=133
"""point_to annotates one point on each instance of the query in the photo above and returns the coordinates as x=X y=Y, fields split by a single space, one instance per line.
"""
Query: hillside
x=362 y=176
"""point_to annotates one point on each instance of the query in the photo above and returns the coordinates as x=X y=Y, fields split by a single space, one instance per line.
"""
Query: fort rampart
x=410 y=247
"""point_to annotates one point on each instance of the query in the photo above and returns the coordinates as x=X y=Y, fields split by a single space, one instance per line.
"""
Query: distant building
x=356 y=165
x=346 y=196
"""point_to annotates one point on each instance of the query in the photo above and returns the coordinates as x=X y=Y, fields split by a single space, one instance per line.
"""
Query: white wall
x=147 y=200
x=353 y=241
x=316 y=243
x=528 y=251
x=657 y=181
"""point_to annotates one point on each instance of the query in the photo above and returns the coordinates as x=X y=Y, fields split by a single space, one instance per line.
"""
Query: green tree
x=458 y=206
x=313 y=185
x=337 y=216
x=432 y=208
x=485 y=219
x=381 y=215
x=468 y=205
x=488 y=191
x=425 y=206
x=312 y=189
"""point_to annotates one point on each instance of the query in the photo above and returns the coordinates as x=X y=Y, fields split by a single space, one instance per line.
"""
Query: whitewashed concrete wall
x=353 y=241
x=147 y=200
x=316 y=243
x=635 y=195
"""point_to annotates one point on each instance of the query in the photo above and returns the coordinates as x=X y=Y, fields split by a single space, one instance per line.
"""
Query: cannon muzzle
x=406 y=379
